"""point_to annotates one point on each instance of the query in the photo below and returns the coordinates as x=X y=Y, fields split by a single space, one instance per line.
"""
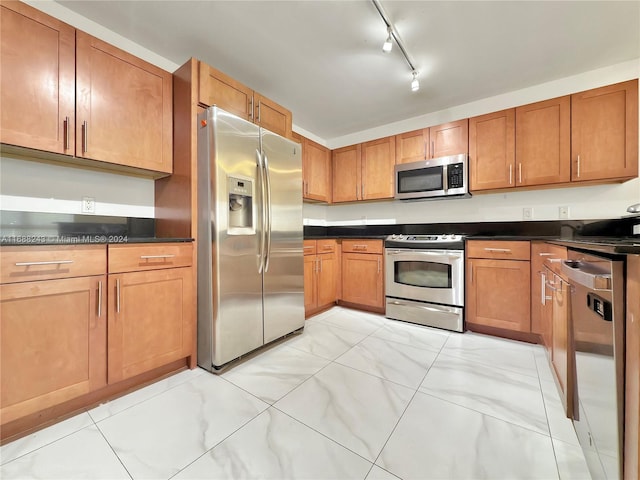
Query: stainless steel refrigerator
x=250 y=264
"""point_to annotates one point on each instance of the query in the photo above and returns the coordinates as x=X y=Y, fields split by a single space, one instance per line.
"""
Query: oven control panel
x=443 y=241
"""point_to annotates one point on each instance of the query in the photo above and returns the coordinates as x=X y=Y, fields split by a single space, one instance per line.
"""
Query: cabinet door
x=632 y=371
x=378 y=160
x=346 y=174
x=53 y=343
x=498 y=294
x=123 y=106
x=412 y=146
x=543 y=153
x=362 y=279
x=37 y=85
x=560 y=355
x=492 y=148
x=316 y=170
x=151 y=320
x=310 y=283
x=449 y=138
x=604 y=132
x=327 y=278
x=216 y=88
x=268 y=114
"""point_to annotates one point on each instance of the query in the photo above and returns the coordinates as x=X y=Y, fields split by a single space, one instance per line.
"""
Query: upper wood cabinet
x=64 y=91
x=37 y=85
x=604 y=133
x=316 y=171
x=364 y=171
x=123 y=107
x=378 y=159
x=492 y=147
x=217 y=88
x=346 y=173
x=433 y=142
x=543 y=142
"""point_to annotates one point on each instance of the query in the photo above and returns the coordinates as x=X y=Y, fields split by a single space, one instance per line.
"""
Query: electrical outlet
x=636 y=229
x=88 y=205
x=527 y=213
x=563 y=213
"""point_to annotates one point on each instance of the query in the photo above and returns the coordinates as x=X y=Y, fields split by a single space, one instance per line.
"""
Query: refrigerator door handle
x=267 y=249
x=263 y=210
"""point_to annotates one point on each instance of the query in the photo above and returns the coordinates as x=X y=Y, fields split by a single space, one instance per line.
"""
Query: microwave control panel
x=454 y=176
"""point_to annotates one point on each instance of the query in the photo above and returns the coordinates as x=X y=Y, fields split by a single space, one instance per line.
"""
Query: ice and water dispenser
x=241 y=219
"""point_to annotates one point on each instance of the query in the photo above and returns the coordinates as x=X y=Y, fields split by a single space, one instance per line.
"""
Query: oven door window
x=423 y=274
x=420 y=180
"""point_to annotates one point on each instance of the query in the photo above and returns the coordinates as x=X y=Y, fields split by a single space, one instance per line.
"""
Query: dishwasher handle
x=587 y=274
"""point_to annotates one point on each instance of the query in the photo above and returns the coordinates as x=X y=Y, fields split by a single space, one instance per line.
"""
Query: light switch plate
x=636 y=229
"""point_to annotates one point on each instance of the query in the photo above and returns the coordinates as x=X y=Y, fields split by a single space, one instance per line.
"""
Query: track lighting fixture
x=392 y=35
x=415 y=84
x=388 y=43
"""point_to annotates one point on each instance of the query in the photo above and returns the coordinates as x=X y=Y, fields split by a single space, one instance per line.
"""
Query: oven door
x=425 y=275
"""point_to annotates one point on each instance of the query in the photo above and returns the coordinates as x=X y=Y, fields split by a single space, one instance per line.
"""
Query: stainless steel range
x=424 y=280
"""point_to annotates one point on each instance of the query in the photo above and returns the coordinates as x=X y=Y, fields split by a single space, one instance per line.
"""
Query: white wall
x=35 y=186
x=595 y=202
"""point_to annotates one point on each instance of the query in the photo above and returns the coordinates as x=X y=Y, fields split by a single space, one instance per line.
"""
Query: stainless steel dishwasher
x=597 y=324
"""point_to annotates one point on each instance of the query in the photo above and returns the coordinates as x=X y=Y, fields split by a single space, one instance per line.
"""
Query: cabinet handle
x=510 y=174
x=502 y=250
x=426 y=149
x=52 y=262
x=85 y=137
x=378 y=265
x=362 y=192
x=251 y=108
x=578 y=166
x=433 y=148
x=471 y=273
x=543 y=286
x=327 y=247
x=147 y=257
x=117 y=295
x=259 y=109
x=520 y=173
x=543 y=254
x=99 y=299
x=67 y=127
x=317 y=265
x=320 y=263
x=359 y=247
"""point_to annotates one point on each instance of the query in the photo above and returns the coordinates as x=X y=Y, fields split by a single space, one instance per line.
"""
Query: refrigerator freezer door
x=229 y=283
x=284 y=267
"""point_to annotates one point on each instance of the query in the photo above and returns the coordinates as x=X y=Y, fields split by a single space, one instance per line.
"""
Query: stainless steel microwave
x=437 y=177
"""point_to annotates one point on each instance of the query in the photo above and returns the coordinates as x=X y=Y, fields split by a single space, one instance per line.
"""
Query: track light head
x=388 y=43
x=415 y=84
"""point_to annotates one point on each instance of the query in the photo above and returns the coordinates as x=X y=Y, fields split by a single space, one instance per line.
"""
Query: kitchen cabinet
x=346 y=173
x=54 y=327
x=543 y=138
x=632 y=375
x=36 y=114
x=363 y=273
x=321 y=269
x=98 y=102
x=604 y=133
x=438 y=141
x=316 y=171
x=151 y=307
x=216 y=88
x=123 y=107
x=364 y=171
x=498 y=285
x=551 y=255
x=492 y=149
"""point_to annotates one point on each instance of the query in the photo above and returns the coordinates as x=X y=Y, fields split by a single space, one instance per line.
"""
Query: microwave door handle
x=445 y=178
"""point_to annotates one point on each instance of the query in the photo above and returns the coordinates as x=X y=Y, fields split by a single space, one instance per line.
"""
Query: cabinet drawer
x=508 y=250
x=46 y=262
x=326 y=246
x=362 y=246
x=149 y=256
x=309 y=247
x=553 y=256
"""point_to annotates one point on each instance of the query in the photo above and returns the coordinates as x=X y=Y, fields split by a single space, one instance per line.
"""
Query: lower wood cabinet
x=150 y=320
x=53 y=343
x=632 y=375
x=321 y=270
x=498 y=285
x=363 y=273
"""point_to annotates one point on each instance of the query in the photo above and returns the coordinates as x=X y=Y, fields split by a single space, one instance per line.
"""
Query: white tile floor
x=355 y=396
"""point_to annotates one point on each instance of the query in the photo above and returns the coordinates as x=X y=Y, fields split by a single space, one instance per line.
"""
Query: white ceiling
x=323 y=59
